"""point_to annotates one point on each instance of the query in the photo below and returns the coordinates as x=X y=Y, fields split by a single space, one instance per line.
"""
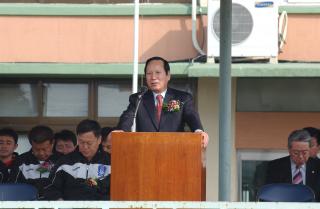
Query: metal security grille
x=242 y=24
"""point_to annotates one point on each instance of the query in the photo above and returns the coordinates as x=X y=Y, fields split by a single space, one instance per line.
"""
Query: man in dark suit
x=315 y=141
x=161 y=109
x=298 y=167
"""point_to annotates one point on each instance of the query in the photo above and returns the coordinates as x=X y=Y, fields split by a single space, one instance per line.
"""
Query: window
x=63 y=103
x=252 y=165
x=278 y=94
x=22 y=97
x=65 y=100
x=119 y=94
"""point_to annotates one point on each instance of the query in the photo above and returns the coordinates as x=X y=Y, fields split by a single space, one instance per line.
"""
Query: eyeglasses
x=300 y=152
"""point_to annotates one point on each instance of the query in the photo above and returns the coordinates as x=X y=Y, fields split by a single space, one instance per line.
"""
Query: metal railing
x=155 y=205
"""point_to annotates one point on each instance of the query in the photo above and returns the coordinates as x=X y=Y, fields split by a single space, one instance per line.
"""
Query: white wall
x=208 y=110
x=208 y=102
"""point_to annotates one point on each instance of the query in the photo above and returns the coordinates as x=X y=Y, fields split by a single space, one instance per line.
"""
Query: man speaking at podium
x=160 y=108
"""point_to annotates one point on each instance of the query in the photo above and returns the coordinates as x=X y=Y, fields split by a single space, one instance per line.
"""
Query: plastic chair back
x=285 y=193
x=18 y=192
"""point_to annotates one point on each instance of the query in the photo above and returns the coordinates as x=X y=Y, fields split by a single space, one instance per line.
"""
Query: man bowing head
x=161 y=109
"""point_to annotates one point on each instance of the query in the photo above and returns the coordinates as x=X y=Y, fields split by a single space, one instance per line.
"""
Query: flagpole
x=135 y=48
x=135 y=54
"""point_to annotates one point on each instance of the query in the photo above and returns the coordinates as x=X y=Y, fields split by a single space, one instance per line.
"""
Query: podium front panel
x=156 y=166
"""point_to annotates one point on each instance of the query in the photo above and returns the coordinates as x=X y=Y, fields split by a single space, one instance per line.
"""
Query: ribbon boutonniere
x=172 y=106
x=44 y=167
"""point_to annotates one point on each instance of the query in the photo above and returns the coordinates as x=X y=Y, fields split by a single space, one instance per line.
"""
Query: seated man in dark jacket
x=8 y=145
x=33 y=167
x=3 y=173
x=83 y=174
x=297 y=167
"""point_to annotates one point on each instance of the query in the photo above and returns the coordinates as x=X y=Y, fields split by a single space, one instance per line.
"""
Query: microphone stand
x=143 y=90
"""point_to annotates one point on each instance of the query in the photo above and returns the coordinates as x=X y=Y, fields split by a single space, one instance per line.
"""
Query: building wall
x=302 y=42
x=94 y=39
x=271 y=128
x=109 y=39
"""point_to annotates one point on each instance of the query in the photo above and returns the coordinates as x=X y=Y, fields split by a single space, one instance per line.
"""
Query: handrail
x=155 y=205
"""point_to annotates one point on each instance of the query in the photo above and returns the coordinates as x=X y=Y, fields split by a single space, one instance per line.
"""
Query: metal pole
x=135 y=48
x=135 y=55
x=225 y=101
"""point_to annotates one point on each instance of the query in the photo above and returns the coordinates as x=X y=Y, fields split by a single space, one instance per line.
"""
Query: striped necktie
x=297 y=177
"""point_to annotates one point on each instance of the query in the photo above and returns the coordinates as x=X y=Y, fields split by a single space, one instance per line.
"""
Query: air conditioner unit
x=254 y=28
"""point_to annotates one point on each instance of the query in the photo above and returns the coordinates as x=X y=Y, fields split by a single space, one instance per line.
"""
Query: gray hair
x=299 y=136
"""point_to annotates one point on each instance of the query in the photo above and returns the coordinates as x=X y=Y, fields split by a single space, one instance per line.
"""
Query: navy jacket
x=28 y=169
x=279 y=171
x=170 y=121
x=4 y=175
x=76 y=178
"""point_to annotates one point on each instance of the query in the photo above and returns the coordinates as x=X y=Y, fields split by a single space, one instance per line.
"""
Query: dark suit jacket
x=4 y=175
x=146 y=120
x=279 y=171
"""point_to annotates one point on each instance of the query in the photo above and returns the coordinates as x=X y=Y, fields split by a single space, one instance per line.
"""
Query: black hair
x=9 y=132
x=166 y=65
x=88 y=125
x=314 y=132
x=66 y=135
x=39 y=134
x=105 y=131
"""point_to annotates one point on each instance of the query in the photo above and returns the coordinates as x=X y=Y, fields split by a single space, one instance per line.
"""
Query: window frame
x=24 y=124
x=255 y=155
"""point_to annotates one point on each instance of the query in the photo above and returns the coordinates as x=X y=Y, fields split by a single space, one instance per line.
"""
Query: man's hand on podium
x=205 y=138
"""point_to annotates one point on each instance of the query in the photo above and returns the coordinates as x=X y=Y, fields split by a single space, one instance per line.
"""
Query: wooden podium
x=157 y=167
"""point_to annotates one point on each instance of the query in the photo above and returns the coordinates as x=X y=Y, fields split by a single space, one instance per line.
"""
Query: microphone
x=143 y=90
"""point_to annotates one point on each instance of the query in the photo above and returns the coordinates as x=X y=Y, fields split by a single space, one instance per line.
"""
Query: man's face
x=7 y=146
x=299 y=152
x=156 y=77
x=314 y=148
x=106 y=144
x=88 y=144
x=43 y=150
x=64 y=147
